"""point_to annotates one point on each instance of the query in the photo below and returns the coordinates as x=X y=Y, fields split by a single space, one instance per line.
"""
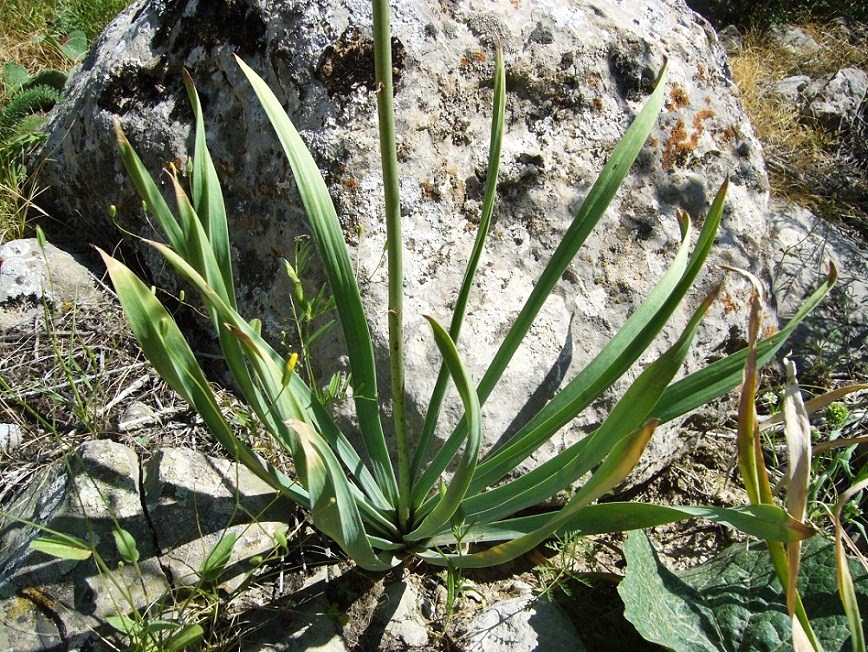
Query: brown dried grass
x=825 y=172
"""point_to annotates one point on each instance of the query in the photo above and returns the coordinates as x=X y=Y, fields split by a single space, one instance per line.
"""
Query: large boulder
x=577 y=73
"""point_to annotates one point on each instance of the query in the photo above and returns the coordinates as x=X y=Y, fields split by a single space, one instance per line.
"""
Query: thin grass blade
x=842 y=571
x=815 y=404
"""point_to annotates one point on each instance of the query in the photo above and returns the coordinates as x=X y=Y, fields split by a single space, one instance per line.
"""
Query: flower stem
x=394 y=244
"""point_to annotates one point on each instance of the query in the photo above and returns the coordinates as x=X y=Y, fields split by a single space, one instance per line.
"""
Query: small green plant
x=381 y=510
x=22 y=123
x=312 y=316
x=144 y=633
x=561 y=573
x=22 y=116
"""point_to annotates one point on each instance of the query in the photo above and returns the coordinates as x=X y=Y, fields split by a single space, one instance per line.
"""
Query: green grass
x=24 y=28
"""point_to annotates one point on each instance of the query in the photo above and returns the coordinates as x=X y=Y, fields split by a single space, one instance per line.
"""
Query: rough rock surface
x=793 y=38
x=400 y=616
x=101 y=485
x=523 y=624
x=805 y=245
x=577 y=73
x=788 y=90
x=306 y=624
x=30 y=274
x=194 y=500
x=176 y=516
x=835 y=100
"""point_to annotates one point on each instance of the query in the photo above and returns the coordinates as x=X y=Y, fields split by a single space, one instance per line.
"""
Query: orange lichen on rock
x=678 y=98
x=729 y=304
x=679 y=144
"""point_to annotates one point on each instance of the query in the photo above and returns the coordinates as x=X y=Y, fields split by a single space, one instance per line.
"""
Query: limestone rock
x=400 y=615
x=805 y=244
x=835 y=100
x=793 y=38
x=731 y=39
x=523 y=624
x=308 y=625
x=30 y=274
x=577 y=74
x=101 y=488
x=183 y=507
x=10 y=437
x=788 y=90
x=194 y=501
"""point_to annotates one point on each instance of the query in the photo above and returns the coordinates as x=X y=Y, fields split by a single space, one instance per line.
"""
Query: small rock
x=194 y=501
x=404 y=626
x=789 y=90
x=30 y=274
x=834 y=101
x=523 y=624
x=795 y=39
x=10 y=437
x=134 y=415
x=731 y=39
x=98 y=489
x=307 y=626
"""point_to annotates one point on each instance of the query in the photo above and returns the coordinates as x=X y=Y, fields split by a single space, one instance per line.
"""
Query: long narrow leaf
x=586 y=218
x=723 y=375
x=333 y=507
x=63 y=546
x=333 y=252
x=451 y=500
x=208 y=196
x=764 y=521
x=495 y=143
x=797 y=431
x=270 y=366
x=570 y=465
x=149 y=192
x=166 y=349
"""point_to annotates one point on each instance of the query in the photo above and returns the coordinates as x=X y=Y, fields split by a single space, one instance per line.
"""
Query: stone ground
x=73 y=374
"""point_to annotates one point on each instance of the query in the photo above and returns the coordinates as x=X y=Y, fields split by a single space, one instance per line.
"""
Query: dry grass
x=76 y=374
x=826 y=172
